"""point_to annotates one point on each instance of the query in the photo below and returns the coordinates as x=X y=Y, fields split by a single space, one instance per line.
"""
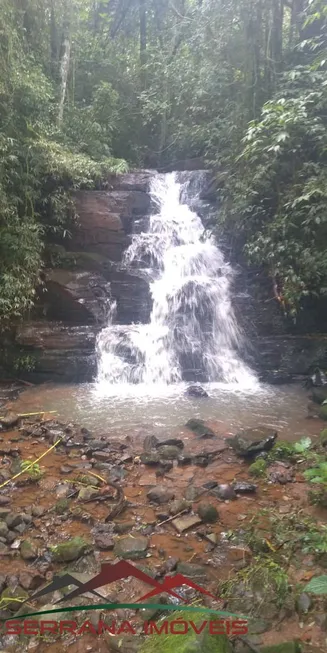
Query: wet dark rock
x=14 y=519
x=124 y=527
x=243 y=487
x=224 y=492
x=280 y=473
x=196 y=391
x=131 y=547
x=249 y=442
x=303 y=603
x=319 y=394
x=11 y=536
x=172 y=442
x=199 y=427
x=151 y=458
x=29 y=550
x=168 y=452
x=150 y=442
x=160 y=494
x=9 y=420
x=21 y=528
x=102 y=456
x=3 y=549
x=202 y=460
x=104 y=542
x=126 y=459
x=208 y=513
x=4 y=500
x=165 y=467
x=323 y=412
x=209 y=485
x=65 y=469
x=276 y=377
x=184 y=460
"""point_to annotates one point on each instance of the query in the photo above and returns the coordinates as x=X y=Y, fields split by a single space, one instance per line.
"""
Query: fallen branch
x=13 y=478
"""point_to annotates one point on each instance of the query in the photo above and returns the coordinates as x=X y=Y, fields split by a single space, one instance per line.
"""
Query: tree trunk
x=143 y=35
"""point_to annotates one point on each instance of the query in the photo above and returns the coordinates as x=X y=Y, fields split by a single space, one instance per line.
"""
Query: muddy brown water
x=138 y=411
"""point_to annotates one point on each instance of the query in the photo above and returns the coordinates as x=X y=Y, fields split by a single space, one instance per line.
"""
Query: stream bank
x=192 y=504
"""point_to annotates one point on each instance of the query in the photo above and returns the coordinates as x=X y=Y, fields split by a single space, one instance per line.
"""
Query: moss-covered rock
x=323 y=438
x=70 y=550
x=258 y=468
x=11 y=599
x=61 y=507
x=189 y=642
x=28 y=550
x=323 y=412
x=208 y=513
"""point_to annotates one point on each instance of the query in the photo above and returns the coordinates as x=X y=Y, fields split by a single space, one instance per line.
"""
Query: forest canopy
x=89 y=87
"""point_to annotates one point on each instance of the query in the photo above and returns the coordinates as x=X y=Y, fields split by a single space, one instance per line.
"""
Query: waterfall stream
x=192 y=333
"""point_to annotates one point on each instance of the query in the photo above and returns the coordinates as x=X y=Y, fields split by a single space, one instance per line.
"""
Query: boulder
x=160 y=494
x=29 y=550
x=131 y=547
x=70 y=550
x=208 y=513
x=9 y=420
x=319 y=394
x=243 y=487
x=196 y=391
x=199 y=427
x=250 y=442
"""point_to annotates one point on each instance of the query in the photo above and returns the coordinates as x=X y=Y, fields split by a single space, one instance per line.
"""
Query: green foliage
x=317 y=474
x=258 y=468
x=32 y=469
x=317 y=585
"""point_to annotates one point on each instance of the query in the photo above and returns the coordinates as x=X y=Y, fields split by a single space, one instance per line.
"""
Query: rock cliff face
x=87 y=278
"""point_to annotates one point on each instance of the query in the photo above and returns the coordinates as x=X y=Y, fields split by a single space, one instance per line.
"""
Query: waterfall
x=192 y=333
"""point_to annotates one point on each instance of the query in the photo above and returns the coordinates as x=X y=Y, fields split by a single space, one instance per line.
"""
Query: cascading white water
x=192 y=328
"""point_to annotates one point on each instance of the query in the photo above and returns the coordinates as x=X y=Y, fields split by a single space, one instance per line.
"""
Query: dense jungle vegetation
x=92 y=86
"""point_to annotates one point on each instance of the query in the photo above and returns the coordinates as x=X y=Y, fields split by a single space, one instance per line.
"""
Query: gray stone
x=4 y=500
x=3 y=529
x=9 y=420
x=28 y=550
x=250 y=442
x=160 y=494
x=37 y=511
x=104 y=541
x=171 y=442
x=31 y=579
x=208 y=513
x=11 y=598
x=303 y=603
x=185 y=523
x=179 y=505
x=131 y=548
x=87 y=493
x=63 y=490
x=14 y=519
x=150 y=442
x=196 y=391
x=4 y=512
x=192 y=493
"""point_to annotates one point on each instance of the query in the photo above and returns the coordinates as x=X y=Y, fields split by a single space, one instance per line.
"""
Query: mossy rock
x=61 y=507
x=258 y=468
x=323 y=438
x=70 y=550
x=12 y=599
x=286 y=647
x=323 y=412
x=189 y=642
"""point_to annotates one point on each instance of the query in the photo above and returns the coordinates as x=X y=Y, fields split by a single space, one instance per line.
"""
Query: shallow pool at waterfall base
x=138 y=410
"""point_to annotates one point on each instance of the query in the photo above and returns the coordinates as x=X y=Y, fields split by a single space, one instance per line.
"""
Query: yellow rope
x=41 y=412
x=96 y=476
x=31 y=465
